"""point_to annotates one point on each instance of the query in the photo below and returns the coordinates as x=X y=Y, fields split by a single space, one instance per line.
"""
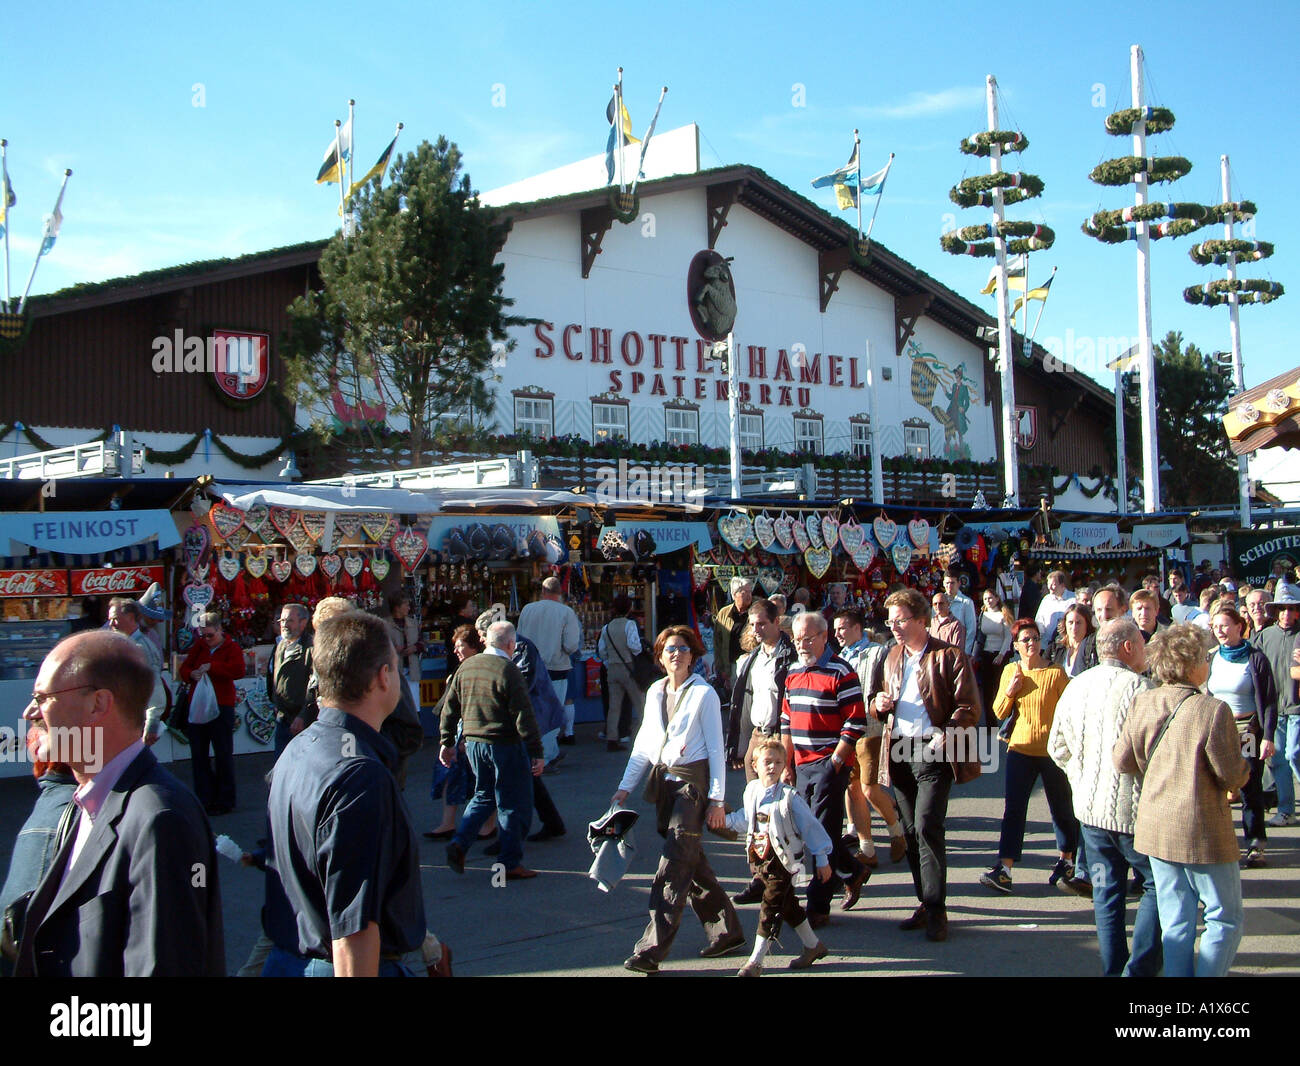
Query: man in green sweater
x=489 y=694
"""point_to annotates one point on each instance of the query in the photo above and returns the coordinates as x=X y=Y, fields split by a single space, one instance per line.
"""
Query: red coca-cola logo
x=33 y=582
x=114 y=579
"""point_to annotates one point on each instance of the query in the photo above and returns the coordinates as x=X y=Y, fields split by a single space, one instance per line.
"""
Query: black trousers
x=218 y=736
x=922 y=790
x=823 y=786
x=545 y=809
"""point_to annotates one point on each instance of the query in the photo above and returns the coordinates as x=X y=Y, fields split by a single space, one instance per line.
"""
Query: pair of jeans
x=1179 y=887
x=1252 y=805
x=1286 y=761
x=1113 y=855
x=387 y=968
x=921 y=787
x=822 y=784
x=504 y=779
x=214 y=790
x=1022 y=772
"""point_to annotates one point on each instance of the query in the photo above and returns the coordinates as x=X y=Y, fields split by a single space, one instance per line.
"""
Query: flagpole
x=618 y=122
x=39 y=253
x=4 y=169
x=352 y=110
x=1010 y=459
x=645 y=143
x=338 y=156
x=1234 y=328
x=857 y=154
x=877 y=464
x=1042 y=306
x=1146 y=359
x=879 y=196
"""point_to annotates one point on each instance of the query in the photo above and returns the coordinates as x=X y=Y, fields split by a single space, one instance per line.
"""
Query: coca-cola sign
x=33 y=582
x=114 y=580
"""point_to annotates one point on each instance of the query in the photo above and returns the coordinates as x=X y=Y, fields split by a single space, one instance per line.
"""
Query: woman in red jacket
x=220 y=658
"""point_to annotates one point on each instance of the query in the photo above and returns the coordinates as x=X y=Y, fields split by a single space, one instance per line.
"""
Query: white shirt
x=764 y=707
x=695 y=733
x=633 y=639
x=1050 y=612
x=911 y=719
x=997 y=634
x=554 y=628
x=964 y=608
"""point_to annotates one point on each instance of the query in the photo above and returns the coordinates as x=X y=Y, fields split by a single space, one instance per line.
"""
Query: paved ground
x=561 y=924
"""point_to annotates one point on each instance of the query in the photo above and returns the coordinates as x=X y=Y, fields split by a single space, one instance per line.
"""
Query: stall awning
x=328 y=498
x=85 y=532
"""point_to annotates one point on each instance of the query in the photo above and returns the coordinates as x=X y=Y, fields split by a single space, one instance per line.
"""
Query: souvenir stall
x=58 y=570
x=1091 y=551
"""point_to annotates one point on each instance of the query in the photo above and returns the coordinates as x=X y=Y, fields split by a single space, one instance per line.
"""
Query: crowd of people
x=1144 y=717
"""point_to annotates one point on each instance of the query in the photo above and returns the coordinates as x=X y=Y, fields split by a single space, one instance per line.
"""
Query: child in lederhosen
x=781 y=837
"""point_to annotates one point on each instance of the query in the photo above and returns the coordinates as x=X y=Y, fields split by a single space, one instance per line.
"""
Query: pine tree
x=411 y=314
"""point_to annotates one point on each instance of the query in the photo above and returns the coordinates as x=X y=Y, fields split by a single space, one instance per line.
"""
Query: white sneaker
x=1279 y=820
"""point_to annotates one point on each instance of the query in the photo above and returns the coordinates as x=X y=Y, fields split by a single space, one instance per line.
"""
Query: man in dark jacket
x=760 y=684
x=288 y=673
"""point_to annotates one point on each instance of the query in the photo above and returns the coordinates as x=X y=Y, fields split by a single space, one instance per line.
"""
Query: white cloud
x=925 y=104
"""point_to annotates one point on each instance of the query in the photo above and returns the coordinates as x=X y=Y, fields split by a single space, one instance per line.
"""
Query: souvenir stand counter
x=1099 y=551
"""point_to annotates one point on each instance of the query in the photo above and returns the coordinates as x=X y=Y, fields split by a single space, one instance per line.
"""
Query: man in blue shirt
x=340 y=831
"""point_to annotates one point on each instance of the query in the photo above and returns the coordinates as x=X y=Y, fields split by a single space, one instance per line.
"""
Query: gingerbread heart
x=799 y=530
x=353 y=565
x=283 y=519
x=818 y=561
x=238 y=537
x=886 y=529
x=851 y=535
x=863 y=555
x=813 y=524
x=225 y=519
x=255 y=517
x=199 y=574
x=255 y=563
x=348 y=524
x=763 y=531
x=314 y=523
x=305 y=563
x=901 y=553
x=228 y=566
x=198 y=595
x=195 y=545
x=737 y=530
x=300 y=539
x=918 y=530
x=783 y=527
x=770 y=577
x=375 y=524
x=699 y=578
x=379 y=567
x=409 y=546
x=830 y=530
x=330 y=565
x=282 y=570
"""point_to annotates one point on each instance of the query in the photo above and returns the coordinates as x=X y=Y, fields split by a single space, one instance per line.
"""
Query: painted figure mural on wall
x=930 y=376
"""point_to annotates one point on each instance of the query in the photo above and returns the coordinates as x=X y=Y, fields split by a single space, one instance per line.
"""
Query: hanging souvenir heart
x=314 y=523
x=800 y=533
x=225 y=519
x=818 y=561
x=409 y=546
x=763 y=530
x=789 y=583
x=256 y=563
x=724 y=574
x=699 y=577
x=283 y=519
x=199 y=574
x=196 y=543
x=255 y=517
x=770 y=577
x=830 y=530
x=198 y=595
x=918 y=530
x=282 y=570
x=851 y=535
x=353 y=565
x=813 y=524
x=348 y=523
x=330 y=565
x=379 y=567
x=238 y=538
x=735 y=529
x=901 y=553
x=305 y=563
x=228 y=566
x=300 y=539
x=863 y=555
x=375 y=524
x=885 y=529
x=783 y=528
x=750 y=538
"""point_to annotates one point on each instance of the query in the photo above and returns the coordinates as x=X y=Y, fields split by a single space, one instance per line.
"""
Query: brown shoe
x=853 y=888
x=817 y=921
x=936 y=925
x=724 y=945
x=750 y=969
x=520 y=873
x=897 y=848
x=809 y=956
x=443 y=966
x=917 y=921
x=872 y=860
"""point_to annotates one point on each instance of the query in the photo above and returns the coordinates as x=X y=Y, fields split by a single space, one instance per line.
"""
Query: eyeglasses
x=676 y=649
x=42 y=698
x=899 y=621
x=1029 y=640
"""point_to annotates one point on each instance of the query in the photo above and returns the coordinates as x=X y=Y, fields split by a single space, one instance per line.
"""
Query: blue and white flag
x=52 y=225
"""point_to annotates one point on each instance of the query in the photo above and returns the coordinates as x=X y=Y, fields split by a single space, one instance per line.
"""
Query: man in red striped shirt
x=822 y=717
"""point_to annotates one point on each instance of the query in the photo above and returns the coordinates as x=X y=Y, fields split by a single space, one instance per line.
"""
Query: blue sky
x=157 y=181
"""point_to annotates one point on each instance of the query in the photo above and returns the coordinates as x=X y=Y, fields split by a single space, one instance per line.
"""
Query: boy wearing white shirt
x=781 y=835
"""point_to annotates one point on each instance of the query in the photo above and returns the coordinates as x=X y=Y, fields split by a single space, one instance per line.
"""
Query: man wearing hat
x=1278 y=642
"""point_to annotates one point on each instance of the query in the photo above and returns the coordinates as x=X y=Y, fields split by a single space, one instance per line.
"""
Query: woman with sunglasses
x=1029 y=691
x=1241 y=676
x=680 y=743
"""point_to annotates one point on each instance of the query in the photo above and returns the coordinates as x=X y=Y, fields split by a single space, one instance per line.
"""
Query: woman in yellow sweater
x=1029 y=690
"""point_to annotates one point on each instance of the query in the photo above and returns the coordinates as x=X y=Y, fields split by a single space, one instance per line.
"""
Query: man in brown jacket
x=931 y=706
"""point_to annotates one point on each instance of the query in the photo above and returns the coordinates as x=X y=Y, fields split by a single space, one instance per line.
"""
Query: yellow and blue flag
x=615 y=106
x=1040 y=293
x=377 y=171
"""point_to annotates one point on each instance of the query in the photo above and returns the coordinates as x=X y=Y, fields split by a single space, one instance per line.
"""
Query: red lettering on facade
x=702 y=361
x=757 y=361
x=701 y=389
x=616 y=381
x=679 y=380
x=834 y=370
x=785 y=399
x=542 y=338
x=638 y=348
x=783 y=371
x=721 y=384
x=600 y=345
x=854 y=383
x=657 y=348
x=569 y=332
x=744 y=392
x=657 y=386
x=804 y=396
x=765 y=396
x=680 y=343
x=637 y=379
x=811 y=369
